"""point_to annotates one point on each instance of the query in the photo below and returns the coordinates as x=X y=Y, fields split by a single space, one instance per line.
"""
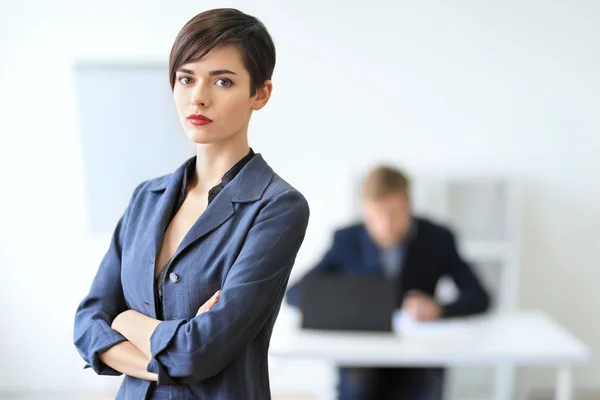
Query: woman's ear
x=262 y=96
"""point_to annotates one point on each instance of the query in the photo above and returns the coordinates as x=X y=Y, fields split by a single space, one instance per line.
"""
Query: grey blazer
x=245 y=244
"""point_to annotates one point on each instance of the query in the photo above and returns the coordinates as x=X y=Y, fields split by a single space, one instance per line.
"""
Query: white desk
x=520 y=339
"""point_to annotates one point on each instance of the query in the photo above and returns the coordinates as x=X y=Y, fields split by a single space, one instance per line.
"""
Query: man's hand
x=421 y=307
x=210 y=303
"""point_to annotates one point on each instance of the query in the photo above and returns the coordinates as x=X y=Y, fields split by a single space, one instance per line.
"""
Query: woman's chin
x=204 y=136
x=199 y=137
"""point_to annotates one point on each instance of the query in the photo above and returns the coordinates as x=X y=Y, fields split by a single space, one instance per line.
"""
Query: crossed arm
x=132 y=356
x=125 y=358
x=183 y=351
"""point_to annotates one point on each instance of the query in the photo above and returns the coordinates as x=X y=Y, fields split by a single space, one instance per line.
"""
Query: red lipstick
x=199 y=120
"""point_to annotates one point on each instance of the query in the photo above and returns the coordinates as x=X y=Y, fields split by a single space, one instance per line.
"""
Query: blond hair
x=384 y=180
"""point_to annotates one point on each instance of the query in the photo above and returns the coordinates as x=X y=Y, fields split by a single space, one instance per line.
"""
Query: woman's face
x=212 y=96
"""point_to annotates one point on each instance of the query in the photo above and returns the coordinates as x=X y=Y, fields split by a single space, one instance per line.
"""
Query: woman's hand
x=210 y=303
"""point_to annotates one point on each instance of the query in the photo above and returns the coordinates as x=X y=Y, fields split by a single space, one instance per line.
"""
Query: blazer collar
x=252 y=181
x=370 y=252
x=248 y=186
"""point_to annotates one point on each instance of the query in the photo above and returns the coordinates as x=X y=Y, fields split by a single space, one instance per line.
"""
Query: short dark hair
x=224 y=26
x=384 y=180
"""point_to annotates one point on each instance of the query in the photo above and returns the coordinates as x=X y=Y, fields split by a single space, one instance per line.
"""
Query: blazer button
x=174 y=277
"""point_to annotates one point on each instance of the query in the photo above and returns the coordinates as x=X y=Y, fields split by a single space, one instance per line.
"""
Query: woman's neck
x=215 y=159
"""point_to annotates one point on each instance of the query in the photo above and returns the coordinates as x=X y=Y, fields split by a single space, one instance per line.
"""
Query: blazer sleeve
x=190 y=351
x=327 y=265
x=473 y=298
x=93 y=334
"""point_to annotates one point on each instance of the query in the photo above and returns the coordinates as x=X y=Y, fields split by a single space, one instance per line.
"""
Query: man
x=414 y=252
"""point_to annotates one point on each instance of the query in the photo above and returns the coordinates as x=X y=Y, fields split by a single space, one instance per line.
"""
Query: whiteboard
x=129 y=133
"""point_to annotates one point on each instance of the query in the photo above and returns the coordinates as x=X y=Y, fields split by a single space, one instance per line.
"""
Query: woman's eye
x=224 y=82
x=186 y=80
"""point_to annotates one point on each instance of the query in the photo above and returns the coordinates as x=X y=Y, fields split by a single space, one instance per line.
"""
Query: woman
x=185 y=299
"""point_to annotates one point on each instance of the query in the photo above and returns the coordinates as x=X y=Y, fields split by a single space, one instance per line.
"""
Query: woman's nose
x=200 y=97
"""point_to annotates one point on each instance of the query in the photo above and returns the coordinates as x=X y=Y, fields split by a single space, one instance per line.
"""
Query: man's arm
x=473 y=298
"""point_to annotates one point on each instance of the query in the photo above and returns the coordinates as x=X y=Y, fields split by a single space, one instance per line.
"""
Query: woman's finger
x=210 y=303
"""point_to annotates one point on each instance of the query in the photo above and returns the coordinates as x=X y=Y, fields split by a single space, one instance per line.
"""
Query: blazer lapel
x=168 y=191
x=165 y=190
x=217 y=212
x=370 y=254
x=411 y=255
x=247 y=186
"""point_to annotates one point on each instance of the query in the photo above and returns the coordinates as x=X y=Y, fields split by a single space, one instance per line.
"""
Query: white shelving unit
x=483 y=211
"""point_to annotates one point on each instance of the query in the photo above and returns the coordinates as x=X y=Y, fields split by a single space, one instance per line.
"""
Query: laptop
x=348 y=303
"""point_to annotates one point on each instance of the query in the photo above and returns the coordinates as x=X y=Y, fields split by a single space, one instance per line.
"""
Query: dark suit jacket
x=430 y=254
x=245 y=243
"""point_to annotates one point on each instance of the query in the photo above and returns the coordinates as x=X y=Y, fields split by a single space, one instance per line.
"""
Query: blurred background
x=491 y=107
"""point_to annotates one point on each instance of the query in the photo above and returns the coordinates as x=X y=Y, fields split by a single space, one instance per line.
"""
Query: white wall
x=510 y=87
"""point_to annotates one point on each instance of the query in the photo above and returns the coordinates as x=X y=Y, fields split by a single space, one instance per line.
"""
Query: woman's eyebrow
x=221 y=72
x=211 y=73
x=185 y=71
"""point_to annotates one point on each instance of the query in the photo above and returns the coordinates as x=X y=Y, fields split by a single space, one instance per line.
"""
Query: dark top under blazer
x=429 y=255
x=245 y=243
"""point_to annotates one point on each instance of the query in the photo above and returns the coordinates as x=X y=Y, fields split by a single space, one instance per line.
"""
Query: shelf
x=486 y=250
